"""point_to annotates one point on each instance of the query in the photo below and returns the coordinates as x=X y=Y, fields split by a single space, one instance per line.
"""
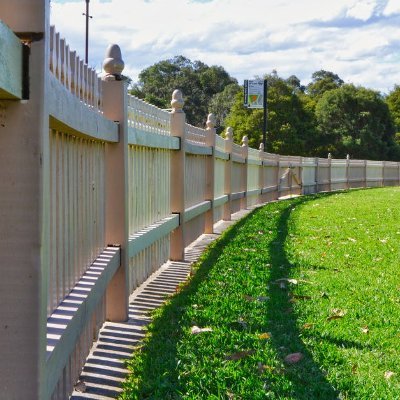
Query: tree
x=356 y=121
x=322 y=81
x=221 y=104
x=197 y=81
x=290 y=120
x=393 y=102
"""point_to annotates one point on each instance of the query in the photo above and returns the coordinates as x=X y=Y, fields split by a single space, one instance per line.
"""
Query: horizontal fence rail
x=102 y=189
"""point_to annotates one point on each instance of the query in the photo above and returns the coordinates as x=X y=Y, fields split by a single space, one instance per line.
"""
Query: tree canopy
x=197 y=81
x=324 y=116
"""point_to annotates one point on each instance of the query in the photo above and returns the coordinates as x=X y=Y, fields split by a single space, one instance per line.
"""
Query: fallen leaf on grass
x=262 y=368
x=365 y=329
x=352 y=240
x=299 y=297
x=195 y=330
x=293 y=358
x=354 y=369
x=308 y=325
x=265 y=335
x=389 y=374
x=288 y=280
x=336 y=314
x=239 y=355
x=259 y=298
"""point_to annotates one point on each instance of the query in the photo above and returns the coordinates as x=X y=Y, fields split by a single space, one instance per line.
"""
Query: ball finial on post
x=211 y=121
x=177 y=101
x=245 y=141
x=329 y=156
x=113 y=64
x=261 y=148
x=229 y=133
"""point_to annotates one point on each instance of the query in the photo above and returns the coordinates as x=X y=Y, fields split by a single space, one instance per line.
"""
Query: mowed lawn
x=300 y=300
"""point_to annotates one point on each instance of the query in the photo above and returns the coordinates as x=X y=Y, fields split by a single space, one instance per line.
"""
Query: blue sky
x=357 y=39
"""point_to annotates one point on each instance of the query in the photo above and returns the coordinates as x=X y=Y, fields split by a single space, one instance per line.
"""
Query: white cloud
x=246 y=38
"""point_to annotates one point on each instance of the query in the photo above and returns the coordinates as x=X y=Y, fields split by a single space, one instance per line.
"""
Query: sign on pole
x=254 y=93
x=255 y=96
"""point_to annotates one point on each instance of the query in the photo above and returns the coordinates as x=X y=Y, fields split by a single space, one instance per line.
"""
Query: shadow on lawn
x=307 y=379
x=160 y=363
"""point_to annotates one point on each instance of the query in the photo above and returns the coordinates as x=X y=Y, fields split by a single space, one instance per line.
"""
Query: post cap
x=229 y=133
x=245 y=141
x=113 y=64
x=261 y=148
x=177 y=101
x=211 y=121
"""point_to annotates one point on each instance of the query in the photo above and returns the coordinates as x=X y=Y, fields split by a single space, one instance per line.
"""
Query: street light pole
x=87 y=32
x=264 y=139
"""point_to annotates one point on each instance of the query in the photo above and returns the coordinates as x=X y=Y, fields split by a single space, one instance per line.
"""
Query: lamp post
x=87 y=32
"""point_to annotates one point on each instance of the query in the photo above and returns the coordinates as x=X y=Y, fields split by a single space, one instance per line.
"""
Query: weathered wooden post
x=210 y=176
x=228 y=174
x=245 y=155
x=348 y=171
x=116 y=158
x=178 y=120
x=24 y=205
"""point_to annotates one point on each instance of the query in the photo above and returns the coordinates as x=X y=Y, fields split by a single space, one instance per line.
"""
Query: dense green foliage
x=197 y=81
x=325 y=116
x=302 y=302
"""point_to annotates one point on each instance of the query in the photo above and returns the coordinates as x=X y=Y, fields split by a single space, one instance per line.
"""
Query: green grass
x=340 y=308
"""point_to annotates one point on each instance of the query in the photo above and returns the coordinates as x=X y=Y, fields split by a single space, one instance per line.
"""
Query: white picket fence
x=99 y=189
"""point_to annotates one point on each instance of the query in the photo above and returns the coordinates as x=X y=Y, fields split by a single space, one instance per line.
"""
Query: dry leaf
x=300 y=297
x=80 y=387
x=288 y=280
x=365 y=329
x=336 y=314
x=308 y=325
x=354 y=369
x=352 y=240
x=293 y=358
x=389 y=374
x=248 y=298
x=262 y=368
x=239 y=355
x=195 y=330
x=265 y=335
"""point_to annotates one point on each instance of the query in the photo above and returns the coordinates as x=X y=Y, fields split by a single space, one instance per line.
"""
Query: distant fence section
x=98 y=189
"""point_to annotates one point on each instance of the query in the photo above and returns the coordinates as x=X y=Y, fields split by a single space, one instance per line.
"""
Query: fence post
x=383 y=173
x=116 y=186
x=317 y=174
x=178 y=120
x=348 y=171
x=228 y=174
x=330 y=171
x=365 y=173
x=210 y=166
x=24 y=215
x=261 y=173
x=278 y=176
x=245 y=155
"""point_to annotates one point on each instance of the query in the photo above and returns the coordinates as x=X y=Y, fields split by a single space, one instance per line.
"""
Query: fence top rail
x=148 y=118
x=75 y=75
x=219 y=143
x=254 y=154
x=196 y=135
x=237 y=149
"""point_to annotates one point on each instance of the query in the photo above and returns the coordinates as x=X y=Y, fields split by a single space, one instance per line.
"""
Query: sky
x=359 y=40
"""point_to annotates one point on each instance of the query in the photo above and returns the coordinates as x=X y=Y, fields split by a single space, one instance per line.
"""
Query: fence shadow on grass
x=159 y=364
x=307 y=379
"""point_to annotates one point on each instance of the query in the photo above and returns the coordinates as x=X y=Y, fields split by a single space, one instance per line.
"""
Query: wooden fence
x=98 y=189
